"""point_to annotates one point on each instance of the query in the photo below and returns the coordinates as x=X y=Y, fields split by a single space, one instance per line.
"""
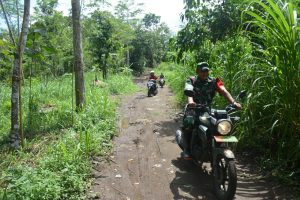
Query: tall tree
x=150 y=43
x=127 y=11
x=101 y=39
x=54 y=24
x=7 y=23
x=78 y=58
x=12 y=10
x=151 y=21
x=16 y=80
x=208 y=20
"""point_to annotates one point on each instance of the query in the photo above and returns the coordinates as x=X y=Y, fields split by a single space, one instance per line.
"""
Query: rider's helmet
x=152 y=72
x=202 y=66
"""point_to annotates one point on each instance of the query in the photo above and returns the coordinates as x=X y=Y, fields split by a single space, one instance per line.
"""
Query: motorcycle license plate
x=226 y=139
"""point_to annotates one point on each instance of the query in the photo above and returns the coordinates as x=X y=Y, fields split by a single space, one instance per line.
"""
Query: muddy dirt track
x=146 y=163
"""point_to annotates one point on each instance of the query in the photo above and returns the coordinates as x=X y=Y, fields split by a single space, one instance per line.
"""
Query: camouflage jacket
x=204 y=90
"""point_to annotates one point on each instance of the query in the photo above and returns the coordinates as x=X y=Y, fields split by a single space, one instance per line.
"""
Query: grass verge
x=55 y=163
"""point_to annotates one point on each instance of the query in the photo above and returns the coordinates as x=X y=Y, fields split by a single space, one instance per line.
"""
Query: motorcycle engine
x=199 y=146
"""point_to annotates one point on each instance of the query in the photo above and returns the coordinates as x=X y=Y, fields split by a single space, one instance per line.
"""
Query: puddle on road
x=125 y=122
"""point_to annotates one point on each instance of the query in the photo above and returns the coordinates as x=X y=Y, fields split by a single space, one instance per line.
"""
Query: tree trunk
x=104 y=66
x=16 y=78
x=78 y=58
x=127 y=56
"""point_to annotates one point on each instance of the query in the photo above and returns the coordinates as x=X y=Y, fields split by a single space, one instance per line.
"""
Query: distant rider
x=161 y=76
x=152 y=76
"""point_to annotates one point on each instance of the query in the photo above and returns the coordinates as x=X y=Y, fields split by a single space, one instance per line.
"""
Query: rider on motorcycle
x=204 y=88
x=161 y=75
x=152 y=76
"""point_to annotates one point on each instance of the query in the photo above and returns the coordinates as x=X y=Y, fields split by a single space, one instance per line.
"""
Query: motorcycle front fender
x=203 y=128
x=227 y=153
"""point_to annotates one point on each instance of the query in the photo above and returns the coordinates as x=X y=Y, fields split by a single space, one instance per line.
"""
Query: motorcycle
x=161 y=82
x=152 y=88
x=210 y=143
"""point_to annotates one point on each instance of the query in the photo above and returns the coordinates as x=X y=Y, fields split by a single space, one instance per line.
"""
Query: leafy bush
x=267 y=66
x=120 y=83
x=275 y=34
x=55 y=163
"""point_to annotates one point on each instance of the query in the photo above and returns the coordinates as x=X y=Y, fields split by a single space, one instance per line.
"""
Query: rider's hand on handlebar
x=191 y=103
x=238 y=105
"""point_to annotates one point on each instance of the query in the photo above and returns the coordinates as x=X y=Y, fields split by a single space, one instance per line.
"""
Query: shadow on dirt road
x=190 y=180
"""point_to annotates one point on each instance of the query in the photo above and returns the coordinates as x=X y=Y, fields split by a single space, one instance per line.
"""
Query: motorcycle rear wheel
x=225 y=178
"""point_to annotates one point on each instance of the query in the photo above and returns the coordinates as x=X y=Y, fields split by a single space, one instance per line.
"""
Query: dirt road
x=145 y=164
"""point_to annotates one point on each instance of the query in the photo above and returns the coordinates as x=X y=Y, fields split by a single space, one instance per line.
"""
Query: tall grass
x=228 y=60
x=55 y=163
x=175 y=76
x=264 y=60
x=276 y=96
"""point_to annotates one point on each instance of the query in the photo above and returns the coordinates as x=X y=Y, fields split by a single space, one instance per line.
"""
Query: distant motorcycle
x=210 y=143
x=161 y=82
x=152 y=88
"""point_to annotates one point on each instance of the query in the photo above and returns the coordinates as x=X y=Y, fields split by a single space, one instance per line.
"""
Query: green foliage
x=127 y=11
x=276 y=94
x=101 y=39
x=176 y=76
x=229 y=60
x=149 y=47
x=109 y=41
x=263 y=59
x=55 y=163
x=46 y=53
x=120 y=83
x=6 y=56
x=208 y=20
x=151 y=20
x=13 y=10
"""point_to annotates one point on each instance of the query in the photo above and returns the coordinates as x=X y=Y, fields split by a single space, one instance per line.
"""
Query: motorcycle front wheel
x=149 y=93
x=225 y=178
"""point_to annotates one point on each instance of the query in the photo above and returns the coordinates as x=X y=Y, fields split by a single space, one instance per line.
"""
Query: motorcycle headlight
x=224 y=127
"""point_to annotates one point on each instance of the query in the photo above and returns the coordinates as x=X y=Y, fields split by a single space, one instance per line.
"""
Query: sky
x=169 y=10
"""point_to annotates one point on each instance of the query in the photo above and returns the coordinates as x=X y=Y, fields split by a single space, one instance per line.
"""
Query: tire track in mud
x=144 y=164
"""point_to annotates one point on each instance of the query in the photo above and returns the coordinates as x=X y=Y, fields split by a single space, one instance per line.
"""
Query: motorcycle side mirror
x=242 y=94
x=189 y=90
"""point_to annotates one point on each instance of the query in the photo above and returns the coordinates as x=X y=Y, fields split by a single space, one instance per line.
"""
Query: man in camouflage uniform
x=204 y=88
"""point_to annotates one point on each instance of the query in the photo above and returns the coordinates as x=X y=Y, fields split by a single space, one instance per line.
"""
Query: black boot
x=186 y=136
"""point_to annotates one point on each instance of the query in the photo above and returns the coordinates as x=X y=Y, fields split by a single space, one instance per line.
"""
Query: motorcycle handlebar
x=230 y=108
x=198 y=106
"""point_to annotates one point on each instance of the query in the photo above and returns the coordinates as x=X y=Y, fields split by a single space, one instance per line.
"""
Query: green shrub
x=275 y=100
x=55 y=163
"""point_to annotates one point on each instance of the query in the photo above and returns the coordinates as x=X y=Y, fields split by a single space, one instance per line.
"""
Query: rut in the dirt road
x=145 y=164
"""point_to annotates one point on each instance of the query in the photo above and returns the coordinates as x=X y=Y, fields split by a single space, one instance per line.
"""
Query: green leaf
x=49 y=49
